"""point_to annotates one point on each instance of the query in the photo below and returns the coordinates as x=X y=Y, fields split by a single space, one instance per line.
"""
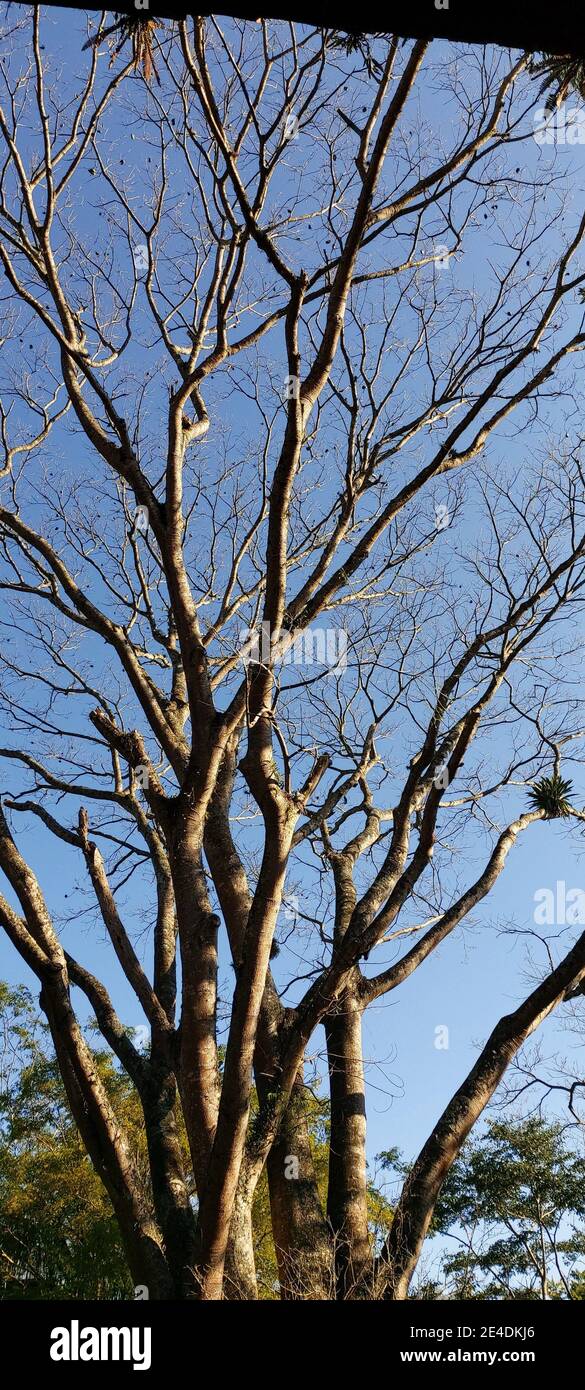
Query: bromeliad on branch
x=140 y=32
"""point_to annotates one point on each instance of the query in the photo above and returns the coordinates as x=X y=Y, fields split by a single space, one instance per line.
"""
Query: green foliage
x=58 y=1236
x=515 y=1203
x=551 y=795
x=360 y=44
x=561 y=75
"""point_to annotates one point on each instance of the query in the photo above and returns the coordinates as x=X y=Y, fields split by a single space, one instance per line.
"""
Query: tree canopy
x=515 y=1197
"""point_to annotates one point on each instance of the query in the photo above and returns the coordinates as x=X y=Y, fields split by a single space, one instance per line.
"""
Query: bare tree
x=284 y=632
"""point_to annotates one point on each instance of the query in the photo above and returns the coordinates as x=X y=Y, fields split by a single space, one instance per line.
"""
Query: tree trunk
x=347 y=1196
x=240 y=1266
x=197 y=1074
x=303 y=1249
x=300 y=1230
x=171 y=1197
x=105 y=1145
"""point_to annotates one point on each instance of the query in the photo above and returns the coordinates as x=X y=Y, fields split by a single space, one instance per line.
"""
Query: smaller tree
x=515 y=1203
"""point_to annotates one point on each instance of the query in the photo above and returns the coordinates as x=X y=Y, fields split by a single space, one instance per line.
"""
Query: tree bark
x=299 y=1228
x=301 y=1239
x=239 y=1282
x=347 y=1196
x=171 y=1197
x=197 y=1075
